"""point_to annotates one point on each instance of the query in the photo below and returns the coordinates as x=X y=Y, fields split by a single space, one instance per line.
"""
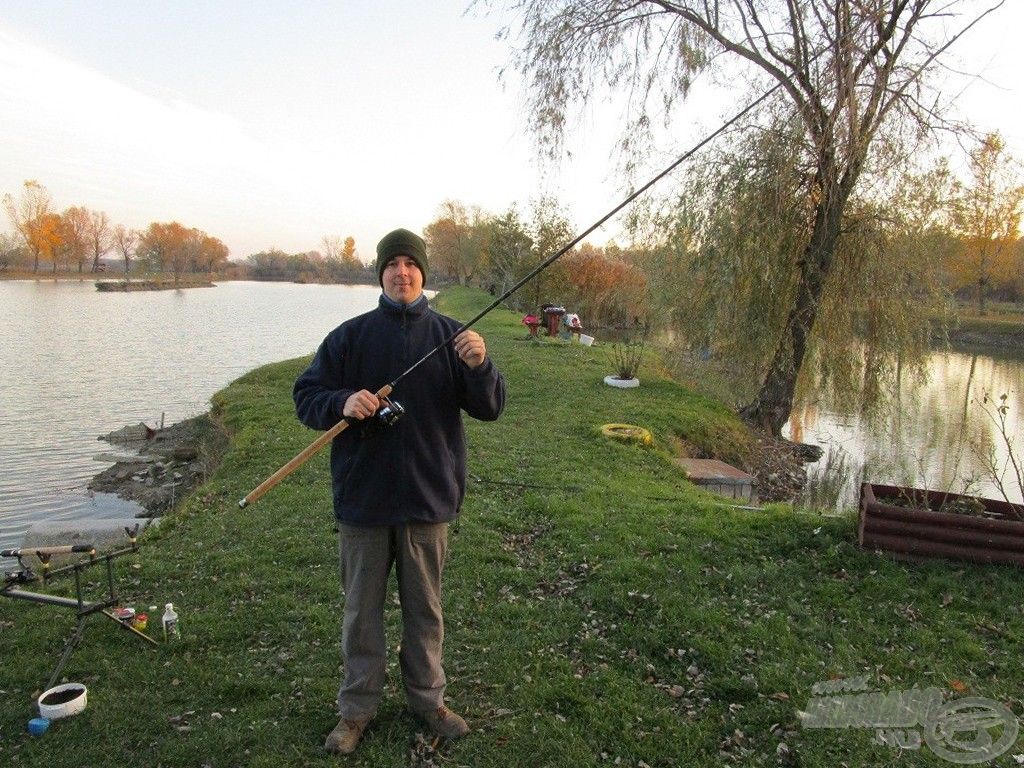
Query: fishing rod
x=393 y=410
x=65 y=549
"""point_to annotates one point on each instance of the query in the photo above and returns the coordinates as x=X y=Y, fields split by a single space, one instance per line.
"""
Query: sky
x=274 y=124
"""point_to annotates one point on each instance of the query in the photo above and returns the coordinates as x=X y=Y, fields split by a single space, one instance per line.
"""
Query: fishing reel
x=386 y=416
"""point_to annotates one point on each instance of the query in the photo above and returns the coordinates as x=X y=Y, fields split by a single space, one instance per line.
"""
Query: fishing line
x=579 y=238
x=383 y=392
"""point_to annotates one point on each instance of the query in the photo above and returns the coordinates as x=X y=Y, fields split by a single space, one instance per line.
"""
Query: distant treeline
x=61 y=241
x=337 y=263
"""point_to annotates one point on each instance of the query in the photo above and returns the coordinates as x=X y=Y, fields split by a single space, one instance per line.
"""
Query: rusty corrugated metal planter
x=922 y=531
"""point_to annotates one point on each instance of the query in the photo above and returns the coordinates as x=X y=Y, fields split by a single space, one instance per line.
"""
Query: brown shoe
x=345 y=737
x=445 y=723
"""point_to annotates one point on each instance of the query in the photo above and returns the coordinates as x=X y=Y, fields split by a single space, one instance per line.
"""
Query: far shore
x=134 y=284
x=191 y=280
x=998 y=330
x=987 y=339
x=109 y=276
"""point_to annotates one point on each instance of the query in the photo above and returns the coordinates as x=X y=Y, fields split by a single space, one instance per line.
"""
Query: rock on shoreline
x=170 y=462
x=779 y=467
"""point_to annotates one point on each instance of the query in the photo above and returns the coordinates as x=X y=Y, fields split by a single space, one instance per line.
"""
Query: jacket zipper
x=404 y=491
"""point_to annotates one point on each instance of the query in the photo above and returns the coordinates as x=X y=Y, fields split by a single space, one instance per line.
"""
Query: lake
x=76 y=363
x=936 y=435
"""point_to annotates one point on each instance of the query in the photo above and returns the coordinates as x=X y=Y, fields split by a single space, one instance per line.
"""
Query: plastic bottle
x=171 y=631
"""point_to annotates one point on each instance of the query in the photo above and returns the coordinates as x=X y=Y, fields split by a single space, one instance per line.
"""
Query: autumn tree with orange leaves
x=205 y=252
x=173 y=247
x=74 y=247
x=79 y=235
x=28 y=215
x=606 y=290
x=341 y=250
x=340 y=262
x=988 y=219
x=48 y=236
x=165 y=246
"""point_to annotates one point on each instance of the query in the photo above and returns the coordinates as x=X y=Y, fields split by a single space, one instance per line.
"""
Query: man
x=396 y=487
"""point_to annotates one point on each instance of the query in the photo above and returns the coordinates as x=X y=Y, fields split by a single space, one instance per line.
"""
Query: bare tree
x=124 y=240
x=99 y=235
x=332 y=247
x=847 y=69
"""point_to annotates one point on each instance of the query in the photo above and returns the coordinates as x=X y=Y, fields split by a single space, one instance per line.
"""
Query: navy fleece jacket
x=414 y=471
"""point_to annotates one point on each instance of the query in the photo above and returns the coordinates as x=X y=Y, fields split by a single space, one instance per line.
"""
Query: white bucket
x=585 y=340
x=62 y=701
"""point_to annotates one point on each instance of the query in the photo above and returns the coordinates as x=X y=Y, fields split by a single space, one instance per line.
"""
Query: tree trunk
x=773 y=403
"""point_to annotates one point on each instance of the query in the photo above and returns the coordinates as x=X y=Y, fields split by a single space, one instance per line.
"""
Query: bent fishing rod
x=393 y=410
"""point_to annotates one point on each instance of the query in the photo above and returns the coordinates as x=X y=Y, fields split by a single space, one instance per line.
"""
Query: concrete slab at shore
x=719 y=477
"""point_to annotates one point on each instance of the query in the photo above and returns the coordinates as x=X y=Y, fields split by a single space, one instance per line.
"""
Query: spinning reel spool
x=386 y=416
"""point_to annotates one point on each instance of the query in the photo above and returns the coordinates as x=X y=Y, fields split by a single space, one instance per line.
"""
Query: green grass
x=1006 y=310
x=995 y=324
x=598 y=607
x=1002 y=324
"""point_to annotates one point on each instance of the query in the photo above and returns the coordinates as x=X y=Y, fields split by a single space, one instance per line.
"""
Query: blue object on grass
x=37 y=726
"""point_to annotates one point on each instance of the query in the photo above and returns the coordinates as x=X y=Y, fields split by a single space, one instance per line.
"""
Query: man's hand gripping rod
x=384 y=391
x=303 y=457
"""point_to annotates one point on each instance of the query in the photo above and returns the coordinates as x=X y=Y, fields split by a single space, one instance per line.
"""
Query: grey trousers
x=418 y=552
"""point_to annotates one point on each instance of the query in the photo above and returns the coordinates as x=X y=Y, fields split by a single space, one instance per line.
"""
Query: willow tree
x=846 y=68
x=726 y=251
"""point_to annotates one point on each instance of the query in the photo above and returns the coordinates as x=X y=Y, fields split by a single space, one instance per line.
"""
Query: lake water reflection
x=932 y=435
x=76 y=363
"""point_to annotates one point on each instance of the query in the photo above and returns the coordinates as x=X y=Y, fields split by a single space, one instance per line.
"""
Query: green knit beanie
x=401 y=242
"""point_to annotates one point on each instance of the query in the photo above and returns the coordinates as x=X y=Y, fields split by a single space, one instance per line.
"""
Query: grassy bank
x=600 y=611
x=1002 y=327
